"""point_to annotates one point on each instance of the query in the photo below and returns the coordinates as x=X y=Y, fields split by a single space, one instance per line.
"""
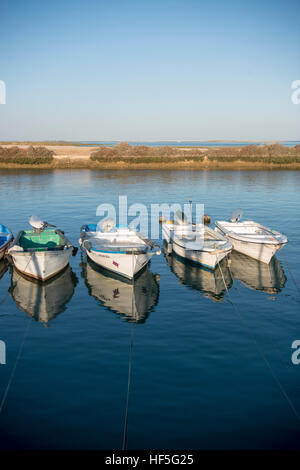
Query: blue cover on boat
x=5 y=235
x=89 y=228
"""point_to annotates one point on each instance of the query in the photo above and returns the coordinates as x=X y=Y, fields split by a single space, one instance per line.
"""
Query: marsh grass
x=268 y=154
x=144 y=154
x=26 y=156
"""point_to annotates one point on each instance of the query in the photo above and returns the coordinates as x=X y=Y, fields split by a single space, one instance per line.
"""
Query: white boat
x=43 y=301
x=41 y=253
x=251 y=238
x=132 y=300
x=118 y=249
x=195 y=242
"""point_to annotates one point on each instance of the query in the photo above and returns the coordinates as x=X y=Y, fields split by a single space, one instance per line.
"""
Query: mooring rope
x=18 y=358
x=290 y=270
x=4 y=297
x=128 y=388
x=129 y=363
x=283 y=362
x=280 y=386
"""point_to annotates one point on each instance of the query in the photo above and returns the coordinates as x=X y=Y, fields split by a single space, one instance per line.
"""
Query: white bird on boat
x=117 y=248
x=251 y=238
x=195 y=242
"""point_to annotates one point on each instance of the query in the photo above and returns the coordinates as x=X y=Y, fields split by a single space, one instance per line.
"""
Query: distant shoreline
x=155 y=143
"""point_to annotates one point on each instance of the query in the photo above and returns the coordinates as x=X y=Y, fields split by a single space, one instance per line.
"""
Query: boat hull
x=209 y=260
x=127 y=265
x=4 y=248
x=204 y=258
x=252 y=239
x=41 y=265
x=260 y=251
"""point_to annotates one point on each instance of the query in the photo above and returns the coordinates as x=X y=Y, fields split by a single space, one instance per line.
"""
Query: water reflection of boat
x=210 y=283
x=43 y=300
x=131 y=300
x=3 y=267
x=256 y=275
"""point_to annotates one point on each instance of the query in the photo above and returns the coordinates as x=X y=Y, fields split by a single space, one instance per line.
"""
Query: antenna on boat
x=38 y=224
x=191 y=210
x=236 y=215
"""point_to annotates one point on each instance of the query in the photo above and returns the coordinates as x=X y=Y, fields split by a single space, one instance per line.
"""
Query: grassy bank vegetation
x=26 y=156
x=125 y=156
x=273 y=154
x=144 y=154
x=267 y=154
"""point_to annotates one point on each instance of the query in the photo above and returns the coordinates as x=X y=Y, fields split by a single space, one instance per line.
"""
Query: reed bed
x=26 y=156
x=267 y=154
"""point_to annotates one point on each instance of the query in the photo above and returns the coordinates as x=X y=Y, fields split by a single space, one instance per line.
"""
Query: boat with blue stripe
x=117 y=248
x=6 y=238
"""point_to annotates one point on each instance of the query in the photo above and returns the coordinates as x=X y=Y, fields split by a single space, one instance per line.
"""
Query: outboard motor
x=236 y=215
x=107 y=225
x=180 y=218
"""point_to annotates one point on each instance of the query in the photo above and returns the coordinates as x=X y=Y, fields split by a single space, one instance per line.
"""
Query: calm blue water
x=211 y=369
x=183 y=143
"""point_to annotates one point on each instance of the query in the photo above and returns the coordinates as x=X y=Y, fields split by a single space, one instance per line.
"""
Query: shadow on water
x=133 y=301
x=43 y=301
x=269 y=278
x=3 y=267
x=209 y=283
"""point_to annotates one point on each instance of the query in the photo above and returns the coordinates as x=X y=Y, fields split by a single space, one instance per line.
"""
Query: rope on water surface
x=262 y=355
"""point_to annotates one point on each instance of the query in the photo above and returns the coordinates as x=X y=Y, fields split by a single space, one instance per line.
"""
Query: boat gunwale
x=225 y=248
x=138 y=248
x=210 y=251
x=245 y=239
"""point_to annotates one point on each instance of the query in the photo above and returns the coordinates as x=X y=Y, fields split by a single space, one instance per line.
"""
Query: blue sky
x=149 y=70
